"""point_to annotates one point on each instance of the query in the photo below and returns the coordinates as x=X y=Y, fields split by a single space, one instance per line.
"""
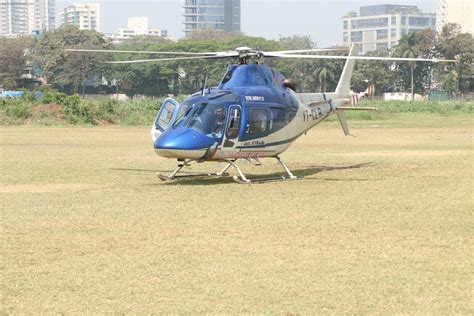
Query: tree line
x=71 y=72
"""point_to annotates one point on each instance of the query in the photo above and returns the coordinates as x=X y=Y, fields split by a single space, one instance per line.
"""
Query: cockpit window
x=183 y=112
x=208 y=118
x=207 y=115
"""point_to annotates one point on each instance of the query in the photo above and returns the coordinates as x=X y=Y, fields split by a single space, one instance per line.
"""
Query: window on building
x=419 y=21
x=356 y=36
x=382 y=46
x=382 y=34
x=369 y=23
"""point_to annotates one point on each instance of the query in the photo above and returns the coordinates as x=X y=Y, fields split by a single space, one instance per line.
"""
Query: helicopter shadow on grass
x=302 y=172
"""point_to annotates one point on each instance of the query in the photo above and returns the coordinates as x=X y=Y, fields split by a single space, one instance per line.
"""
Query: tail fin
x=344 y=86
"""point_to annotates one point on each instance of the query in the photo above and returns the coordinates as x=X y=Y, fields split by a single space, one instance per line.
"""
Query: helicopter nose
x=183 y=143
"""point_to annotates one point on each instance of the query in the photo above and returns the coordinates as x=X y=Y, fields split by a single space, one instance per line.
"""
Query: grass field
x=382 y=223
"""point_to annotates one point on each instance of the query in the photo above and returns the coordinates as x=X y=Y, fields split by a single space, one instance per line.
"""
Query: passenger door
x=232 y=129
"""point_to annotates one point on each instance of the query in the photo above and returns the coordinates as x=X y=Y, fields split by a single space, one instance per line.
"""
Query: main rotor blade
x=314 y=50
x=139 y=52
x=279 y=55
x=227 y=55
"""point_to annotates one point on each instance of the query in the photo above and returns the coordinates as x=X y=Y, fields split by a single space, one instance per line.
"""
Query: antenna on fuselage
x=204 y=86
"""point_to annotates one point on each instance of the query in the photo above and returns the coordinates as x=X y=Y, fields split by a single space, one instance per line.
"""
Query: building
x=86 y=16
x=137 y=26
x=455 y=11
x=219 y=15
x=19 y=17
x=382 y=26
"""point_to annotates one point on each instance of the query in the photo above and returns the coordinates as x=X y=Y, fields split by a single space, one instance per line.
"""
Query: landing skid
x=239 y=178
x=174 y=176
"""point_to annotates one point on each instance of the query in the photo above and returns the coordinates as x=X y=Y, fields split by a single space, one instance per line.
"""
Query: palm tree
x=409 y=49
x=409 y=53
x=325 y=74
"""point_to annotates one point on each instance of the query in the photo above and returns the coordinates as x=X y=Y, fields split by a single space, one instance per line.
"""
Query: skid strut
x=241 y=178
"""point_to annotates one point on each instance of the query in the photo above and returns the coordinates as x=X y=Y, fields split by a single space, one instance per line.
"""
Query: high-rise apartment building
x=86 y=16
x=219 y=15
x=19 y=17
x=382 y=26
x=455 y=11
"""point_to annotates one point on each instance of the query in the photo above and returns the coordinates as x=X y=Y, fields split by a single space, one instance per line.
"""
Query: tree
x=208 y=34
x=70 y=70
x=408 y=49
x=379 y=73
x=14 y=52
x=180 y=77
x=415 y=45
x=325 y=73
x=295 y=42
x=452 y=44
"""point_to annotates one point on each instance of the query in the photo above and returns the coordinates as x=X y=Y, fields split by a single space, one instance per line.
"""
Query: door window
x=233 y=124
x=258 y=121
x=165 y=116
x=278 y=119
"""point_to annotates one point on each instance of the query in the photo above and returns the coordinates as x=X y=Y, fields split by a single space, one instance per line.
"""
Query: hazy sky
x=321 y=19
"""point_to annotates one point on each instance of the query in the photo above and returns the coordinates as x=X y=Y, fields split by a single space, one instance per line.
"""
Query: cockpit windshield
x=207 y=116
x=183 y=112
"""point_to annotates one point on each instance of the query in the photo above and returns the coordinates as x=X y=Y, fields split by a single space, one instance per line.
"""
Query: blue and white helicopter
x=254 y=113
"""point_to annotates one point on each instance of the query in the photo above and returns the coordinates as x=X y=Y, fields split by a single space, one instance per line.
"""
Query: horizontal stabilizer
x=354 y=108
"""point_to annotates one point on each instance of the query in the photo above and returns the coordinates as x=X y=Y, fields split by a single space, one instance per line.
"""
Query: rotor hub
x=246 y=53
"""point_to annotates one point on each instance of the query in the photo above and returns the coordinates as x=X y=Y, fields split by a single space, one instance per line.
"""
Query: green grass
x=57 y=109
x=382 y=223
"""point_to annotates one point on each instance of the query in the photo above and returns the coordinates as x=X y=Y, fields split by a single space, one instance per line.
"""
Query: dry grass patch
x=382 y=223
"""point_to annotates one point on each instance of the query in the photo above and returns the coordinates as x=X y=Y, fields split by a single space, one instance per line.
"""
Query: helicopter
x=254 y=112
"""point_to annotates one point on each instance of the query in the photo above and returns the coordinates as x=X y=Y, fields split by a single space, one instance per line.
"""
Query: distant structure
x=455 y=11
x=86 y=16
x=20 y=17
x=137 y=26
x=218 y=15
x=382 y=26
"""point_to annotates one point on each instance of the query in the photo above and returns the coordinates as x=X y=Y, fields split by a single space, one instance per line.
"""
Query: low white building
x=86 y=16
x=137 y=26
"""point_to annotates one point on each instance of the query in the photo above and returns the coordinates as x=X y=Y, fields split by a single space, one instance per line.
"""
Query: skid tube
x=181 y=164
x=239 y=178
